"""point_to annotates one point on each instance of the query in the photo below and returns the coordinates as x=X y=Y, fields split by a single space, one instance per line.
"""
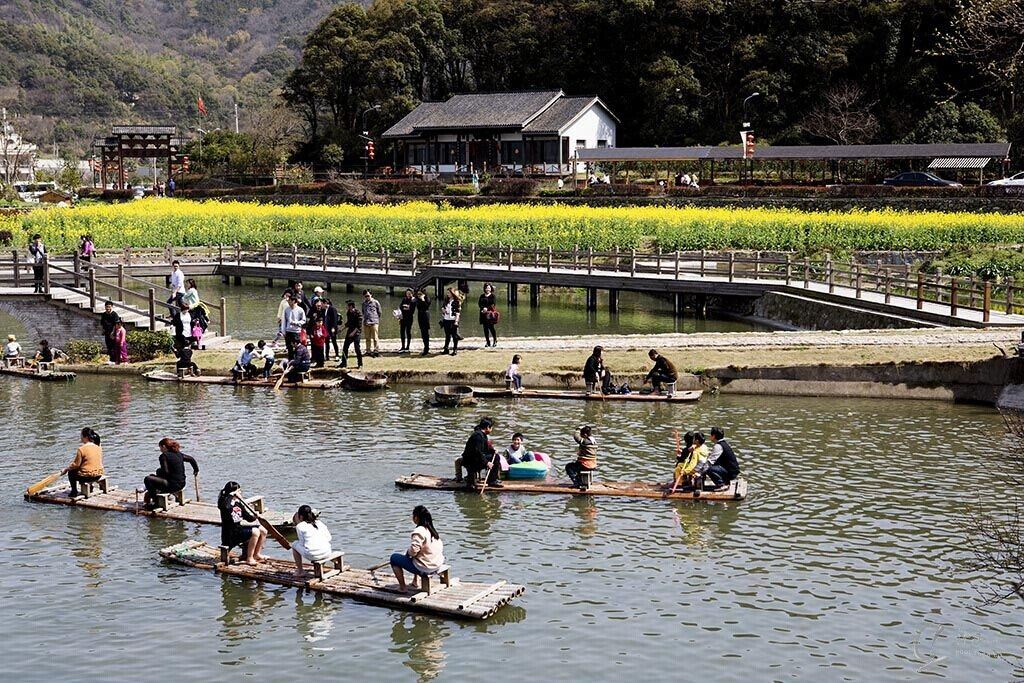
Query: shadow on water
x=87 y=547
x=314 y=617
x=246 y=604
x=421 y=640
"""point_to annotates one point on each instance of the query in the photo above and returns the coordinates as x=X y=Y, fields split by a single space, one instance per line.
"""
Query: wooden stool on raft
x=89 y=488
x=668 y=388
x=46 y=367
x=335 y=560
x=163 y=500
x=586 y=479
x=225 y=554
x=443 y=575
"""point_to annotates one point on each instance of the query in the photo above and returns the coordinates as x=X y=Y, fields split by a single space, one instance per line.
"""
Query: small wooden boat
x=452 y=395
x=626 y=489
x=677 y=397
x=165 y=376
x=118 y=500
x=365 y=381
x=34 y=373
x=461 y=600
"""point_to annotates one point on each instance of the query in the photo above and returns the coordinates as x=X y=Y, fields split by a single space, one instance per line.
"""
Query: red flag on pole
x=201 y=106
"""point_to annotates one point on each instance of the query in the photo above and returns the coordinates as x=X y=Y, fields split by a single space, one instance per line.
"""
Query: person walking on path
x=86 y=249
x=371 y=324
x=489 y=315
x=353 y=330
x=423 y=319
x=37 y=250
x=407 y=308
x=108 y=319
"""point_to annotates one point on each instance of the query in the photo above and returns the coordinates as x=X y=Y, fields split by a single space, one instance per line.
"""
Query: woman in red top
x=319 y=341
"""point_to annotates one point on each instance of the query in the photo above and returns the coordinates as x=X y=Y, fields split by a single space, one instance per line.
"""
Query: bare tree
x=844 y=117
x=990 y=35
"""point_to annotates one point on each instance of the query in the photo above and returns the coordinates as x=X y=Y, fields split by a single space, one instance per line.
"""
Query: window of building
x=580 y=144
x=602 y=143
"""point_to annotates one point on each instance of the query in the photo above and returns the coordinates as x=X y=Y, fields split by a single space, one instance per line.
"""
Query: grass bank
x=158 y=222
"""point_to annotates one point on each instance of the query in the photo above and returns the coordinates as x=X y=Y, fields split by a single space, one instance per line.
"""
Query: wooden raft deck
x=462 y=600
x=164 y=376
x=626 y=489
x=496 y=392
x=42 y=376
x=118 y=500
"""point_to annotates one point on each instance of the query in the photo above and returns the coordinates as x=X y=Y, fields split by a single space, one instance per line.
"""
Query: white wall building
x=17 y=157
x=528 y=133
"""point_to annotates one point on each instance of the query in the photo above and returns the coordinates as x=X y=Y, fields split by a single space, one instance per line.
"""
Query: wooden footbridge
x=685 y=276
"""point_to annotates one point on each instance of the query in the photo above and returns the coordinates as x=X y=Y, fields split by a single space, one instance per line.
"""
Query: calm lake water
x=831 y=570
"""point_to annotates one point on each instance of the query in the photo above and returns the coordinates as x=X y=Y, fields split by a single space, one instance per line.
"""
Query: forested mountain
x=69 y=68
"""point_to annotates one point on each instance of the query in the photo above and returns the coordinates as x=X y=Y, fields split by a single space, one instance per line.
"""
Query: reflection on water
x=827 y=567
x=420 y=638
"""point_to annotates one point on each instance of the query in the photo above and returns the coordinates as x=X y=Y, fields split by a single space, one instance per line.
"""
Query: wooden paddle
x=271 y=529
x=375 y=567
x=280 y=381
x=489 y=470
x=195 y=478
x=43 y=483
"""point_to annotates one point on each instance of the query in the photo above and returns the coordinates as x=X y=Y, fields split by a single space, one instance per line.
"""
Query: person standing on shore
x=121 y=341
x=86 y=249
x=37 y=250
x=353 y=330
x=407 y=308
x=294 y=321
x=176 y=284
x=331 y=321
x=371 y=323
x=489 y=315
x=451 y=312
x=108 y=319
x=423 y=319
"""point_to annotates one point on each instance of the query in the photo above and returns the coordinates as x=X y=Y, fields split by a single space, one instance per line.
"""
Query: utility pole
x=236 y=117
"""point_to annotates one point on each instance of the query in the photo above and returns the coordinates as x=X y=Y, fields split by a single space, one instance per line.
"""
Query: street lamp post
x=366 y=140
x=747 y=130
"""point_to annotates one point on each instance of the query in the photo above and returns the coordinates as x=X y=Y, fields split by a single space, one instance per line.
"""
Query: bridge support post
x=223 y=317
x=152 y=310
x=92 y=290
x=225 y=279
x=349 y=288
x=438 y=289
x=613 y=301
x=513 y=294
x=78 y=270
x=238 y=279
x=17 y=268
x=270 y=282
x=679 y=304
x=591 y=299
x=120 y=282
x=391 y=290
x=534 y=296
x=327 y=286
x=701 y=305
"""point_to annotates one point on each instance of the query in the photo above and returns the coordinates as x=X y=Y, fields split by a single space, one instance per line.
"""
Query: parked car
x=919 y=179
x=1016 y=180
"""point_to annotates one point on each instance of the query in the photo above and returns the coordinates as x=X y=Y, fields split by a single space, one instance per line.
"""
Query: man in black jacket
x=663 y=372
x=479 y=456
x=595 y=372
x=331 y=321
x=108 y=319
x=353 y=331
x=722 y=467
x=423 y=319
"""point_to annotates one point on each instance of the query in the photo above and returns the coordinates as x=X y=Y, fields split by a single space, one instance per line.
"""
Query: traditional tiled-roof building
x=533 y=133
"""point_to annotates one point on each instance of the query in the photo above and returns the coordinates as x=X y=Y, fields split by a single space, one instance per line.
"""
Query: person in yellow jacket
x=88 y=462
x=689 y=459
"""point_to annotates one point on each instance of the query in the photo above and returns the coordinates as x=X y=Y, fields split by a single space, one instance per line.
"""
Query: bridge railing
x=881 y=281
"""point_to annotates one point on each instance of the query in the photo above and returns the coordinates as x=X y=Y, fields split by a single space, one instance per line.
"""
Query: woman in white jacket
x=425 y=554
x=314 y=542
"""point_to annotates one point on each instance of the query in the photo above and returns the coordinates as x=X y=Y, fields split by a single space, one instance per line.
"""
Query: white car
x=1016 y=180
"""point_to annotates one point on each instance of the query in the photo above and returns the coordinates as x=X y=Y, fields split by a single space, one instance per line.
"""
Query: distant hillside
x=69 y=68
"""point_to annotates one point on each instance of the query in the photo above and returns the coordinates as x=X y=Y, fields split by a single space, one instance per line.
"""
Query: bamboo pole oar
x=494 y=460
x=43 y=483
x=271 y=529
x=375 y=567
x=280 y=381
x=195 y=479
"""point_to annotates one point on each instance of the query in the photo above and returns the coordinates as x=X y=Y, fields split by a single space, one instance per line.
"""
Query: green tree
x=950 y=123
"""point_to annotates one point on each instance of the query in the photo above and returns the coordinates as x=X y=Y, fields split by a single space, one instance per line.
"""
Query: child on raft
x=314 y=542
x=12 y=350
x=516 y=452
x=690 y=460
x=513 y=374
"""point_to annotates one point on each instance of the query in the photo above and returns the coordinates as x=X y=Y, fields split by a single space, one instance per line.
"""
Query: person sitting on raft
x=239 y=525
x=244 y=367
x=47 y=354
x=425 y=554
x=689 y=461
x=479 y=456
x=12 y=350
x=185 y=362
x=595 y=372
x=513 y=375
x=722 y=466
x=586 y=454
x=88 y=463
x=170 y=475
x=516 y=452
x=314 y=542
x=663 y=372
x=299 y=364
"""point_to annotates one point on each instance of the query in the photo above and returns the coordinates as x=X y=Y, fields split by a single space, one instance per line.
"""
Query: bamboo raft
x=626 y=489
x=461 y=600
x=677 y=397
x=117 y=500
x=164 y=376
x=40 y=375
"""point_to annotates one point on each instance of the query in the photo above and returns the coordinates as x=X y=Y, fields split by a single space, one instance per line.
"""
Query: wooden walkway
x=461 y=600
x=623 y=489
x=118 y=500
x=678 y=397
x=922 y=298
